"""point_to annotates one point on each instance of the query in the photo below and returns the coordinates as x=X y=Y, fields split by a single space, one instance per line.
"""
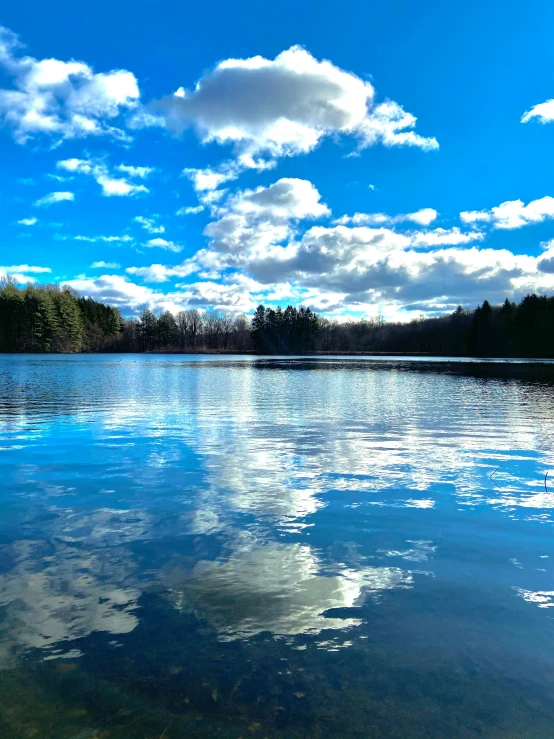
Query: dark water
x=198 y=547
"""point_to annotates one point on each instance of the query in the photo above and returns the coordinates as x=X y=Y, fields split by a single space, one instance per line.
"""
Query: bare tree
x=213 y=329
x=182 y=324
x=227 y=324
x=194 y=325
x=242 y=332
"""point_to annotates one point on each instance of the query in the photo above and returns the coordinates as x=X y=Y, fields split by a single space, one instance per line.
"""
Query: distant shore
x=249 y=352
x=254 y=353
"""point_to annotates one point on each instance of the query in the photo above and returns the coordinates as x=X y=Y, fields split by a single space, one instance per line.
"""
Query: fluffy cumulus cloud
x=116 y=290
x=257 y=230
x=54 y=197
x=23 y=273
x=24 y=268
x=361 y=267
x=159 y=243
x=207 y=180
x=543 y=112
x=269 y=108
x=224 y=296
x=61 y=99
x=262 y=241
x=131 y=298
x=111 y=186
x=275 y=242
x=161 y=272
x=546 y=262
x=513 y=213
x=253 y=221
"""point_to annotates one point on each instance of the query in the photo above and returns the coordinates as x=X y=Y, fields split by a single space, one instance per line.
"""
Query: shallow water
x=239 y=547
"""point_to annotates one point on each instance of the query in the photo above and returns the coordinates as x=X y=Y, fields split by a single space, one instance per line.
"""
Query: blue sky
x=390 y=158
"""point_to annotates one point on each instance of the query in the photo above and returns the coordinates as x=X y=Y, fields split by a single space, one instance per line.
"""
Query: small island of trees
x=53 y=318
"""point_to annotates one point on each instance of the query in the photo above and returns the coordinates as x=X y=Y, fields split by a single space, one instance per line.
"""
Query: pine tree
x=68 y=336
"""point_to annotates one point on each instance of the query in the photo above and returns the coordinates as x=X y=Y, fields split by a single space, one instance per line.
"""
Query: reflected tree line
x=50 y=318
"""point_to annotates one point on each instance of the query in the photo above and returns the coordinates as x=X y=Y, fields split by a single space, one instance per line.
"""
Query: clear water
x=198 y=547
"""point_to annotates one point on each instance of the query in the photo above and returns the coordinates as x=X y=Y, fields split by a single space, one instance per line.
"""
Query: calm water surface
x=239 y=547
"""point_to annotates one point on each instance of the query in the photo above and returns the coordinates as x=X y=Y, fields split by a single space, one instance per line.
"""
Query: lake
x=195 y=546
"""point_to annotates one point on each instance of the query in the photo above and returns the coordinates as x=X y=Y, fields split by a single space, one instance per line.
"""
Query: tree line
x=50 y=318
x=524 y=329
x=53 y=318
x=187 y=331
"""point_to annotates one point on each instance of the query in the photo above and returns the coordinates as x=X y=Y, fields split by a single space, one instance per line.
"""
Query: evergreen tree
x=68 y=336
x=147 y=330
x=168 y=332
x=42 y=320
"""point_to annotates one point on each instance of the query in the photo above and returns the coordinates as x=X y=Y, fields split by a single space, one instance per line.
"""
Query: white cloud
x=205 y=180
x=130 y=171
x=54 y=197
x=376 y=266
x=284 y=107
x=256 y=220
x=256 y=235
x=124 y=239
x=422 y=217
x=231 y=297
x=543 y=111
x=149 y=224
x=445 y=236
x=387 y=124
x=190 y=210
x=163 y=244
x=475 y=216
x=110 y=185
x=83 y=166
x=24 y=268
x=114 y=290
x=255 y=232
x=513 y=213
x=258 y=247
x=28 y=221
x=132 y=298
x=161 y=272
x=287 y=199
x=105 y=265
x=23 y=273
x=545 y=262
x=126 y=295
x=62 y=100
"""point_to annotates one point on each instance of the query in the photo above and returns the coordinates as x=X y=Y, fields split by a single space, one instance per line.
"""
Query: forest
x=53 y=318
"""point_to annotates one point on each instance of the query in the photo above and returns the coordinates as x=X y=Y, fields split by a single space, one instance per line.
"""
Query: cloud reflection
x=55 y=592
x=277 y=588
x=244 y=464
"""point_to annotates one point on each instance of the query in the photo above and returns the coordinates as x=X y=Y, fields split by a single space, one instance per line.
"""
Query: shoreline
x=306 y=355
